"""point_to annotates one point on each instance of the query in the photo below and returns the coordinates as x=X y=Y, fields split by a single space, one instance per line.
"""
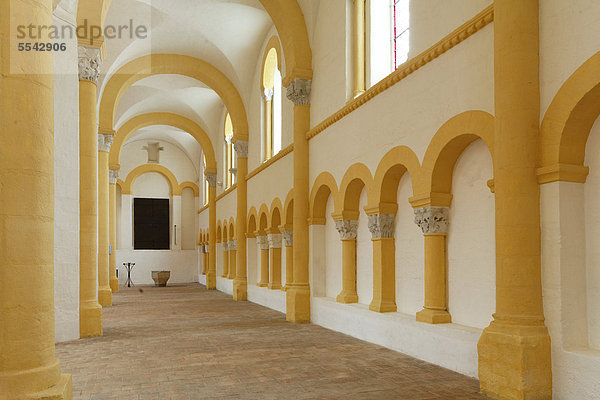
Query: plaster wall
x=189 y=236
x=66 y=182
x=274 y=299
x=471 y=240
x=183 y=265
x=274 y=182
x=364 y=255
x=333 y=255
x=226 y=207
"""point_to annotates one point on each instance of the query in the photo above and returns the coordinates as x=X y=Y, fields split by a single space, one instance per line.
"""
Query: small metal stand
x=129 y=267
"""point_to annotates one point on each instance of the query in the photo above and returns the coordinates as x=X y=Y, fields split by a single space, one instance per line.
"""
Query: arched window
x=272 y=95
x=228 y=152
x=401 y=15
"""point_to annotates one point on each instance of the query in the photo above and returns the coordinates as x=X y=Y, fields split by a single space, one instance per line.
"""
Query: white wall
x=471 y=240
x=183 y=265
x=364 y=255
x=189 y=237
x=66 y=182
x=333 y=254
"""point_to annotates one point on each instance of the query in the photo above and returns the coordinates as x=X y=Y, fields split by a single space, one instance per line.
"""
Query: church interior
x=355 y=199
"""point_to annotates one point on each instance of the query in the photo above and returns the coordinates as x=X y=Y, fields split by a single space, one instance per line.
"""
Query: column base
x=285 y=287
x=274 y=286
x=114 y=285
x=240 y=289
x=63 y=390
x=430 y=316
x=231 y=277
x=105 y=297
x=262 y=284
x=90 y=320
x=224 y=276
x=298 y=304
x=515 y=362
x=347 y=297
x=211 y=281
x=382 y=306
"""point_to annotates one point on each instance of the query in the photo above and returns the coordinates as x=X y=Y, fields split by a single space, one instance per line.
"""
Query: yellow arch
x=161 y=118
x=288 y=210
x=231 y=228
x=267 y=63
x=275 y=214
x=435 y=181
x=567 y=124
x=91 y=13
x=219 y=233
x=156 y=64
x=252 y=218
x=324 y=186
x=390 y=170
x=348 y=196
x=191 y=185
x=263 y=218
x=146 y=168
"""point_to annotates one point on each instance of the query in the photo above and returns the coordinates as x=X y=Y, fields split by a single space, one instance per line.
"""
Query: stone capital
x=241 y=148
x=212 y=179
x=233 y=245
x=382 y=225
x=104 y=142
x=347 y=228
x=262 y=242
x=113 y=176
x=298 y=91
x=89 y=63
x=432 y=220
x=268 y=94
x=288 y=238
x=274 y=240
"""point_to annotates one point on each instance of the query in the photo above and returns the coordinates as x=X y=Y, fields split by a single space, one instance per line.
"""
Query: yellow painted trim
x=156 y=64
x=390 y=170
x=225 y=193
x=205 y=207
x=355 y=179
x=273 y=43
x=288 y=209
x=323 y=187
x=275 y=214
x=269 y=162
x=219 y=232
x=456 y=37
x=263 y=218
x=567 y=124
x=160 y=118
x=231 y=228
x=146 y=168
x=191 y=185
x=252 y=220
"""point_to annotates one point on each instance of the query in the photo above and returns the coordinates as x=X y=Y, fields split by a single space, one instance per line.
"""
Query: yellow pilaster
x=211 y=276
x=347 y=230
x=240 y=283
x=358 y=54
x=381 y=227
x=204 y=258
x=514 y=351
x=298 y=294
x=90 y=312
x=28 y=366
x=112 y=228
x=433 y=221
x=104 y=290
x=225 y=259
x=274 y=238
x=263 y=244
x=288 y=241
x=232 y=259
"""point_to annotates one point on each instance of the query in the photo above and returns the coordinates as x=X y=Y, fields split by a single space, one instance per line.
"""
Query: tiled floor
x=185 y=342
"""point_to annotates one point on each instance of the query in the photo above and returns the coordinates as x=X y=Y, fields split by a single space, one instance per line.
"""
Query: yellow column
x=263 y=245
x=211 y=277
x=232 y=259
x=240 y=283
x=90 y=312
x=288 y=241
x=381 y=227
x=268 y=144
x=359 y=47
x=433 y=221
x=28 y=366
x=274 y=239
x=514 y=351
x=204 y=258
x=112 y=216
x=347 y=230
x=104 y=291
x=225 y=259
x=298 y=295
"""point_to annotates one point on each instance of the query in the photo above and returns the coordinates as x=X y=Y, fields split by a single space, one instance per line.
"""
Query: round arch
x=288 y=210
x=269 y=62
x=252 y=218
x=263 y=218
x=219 y=232
x=158 y=64
x=324 y=186
x=567 y=125
x=191 y=185
x=231 y=229
x=160 y=118
x=146 y=168
x=355 y=179
x=275 y=214
x=390 y=170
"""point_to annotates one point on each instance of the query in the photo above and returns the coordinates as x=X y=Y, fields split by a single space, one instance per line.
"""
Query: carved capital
x=241 y=148
x=262 y=242
x=274 y=240
x=298 y=91
x=288 y=238
x=225 y=246
x=233 y=245
x=268 y=94
x=113 y=176
x=381 y=225
x=89 y=63
x=104 y=142
x=212 y=179
x=432 y=219
x=347 y=228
